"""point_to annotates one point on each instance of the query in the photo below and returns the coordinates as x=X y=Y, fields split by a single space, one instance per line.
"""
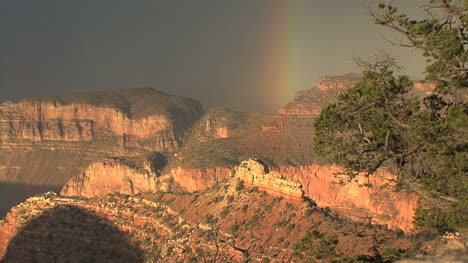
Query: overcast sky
x=244 y=54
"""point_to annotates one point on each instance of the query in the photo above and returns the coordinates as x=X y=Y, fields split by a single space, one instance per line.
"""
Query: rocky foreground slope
x=368 y=199
x=232 y=221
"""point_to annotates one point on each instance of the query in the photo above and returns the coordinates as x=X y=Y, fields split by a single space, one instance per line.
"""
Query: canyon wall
x=52 y=119
x=47 y=140
x=338 y=82
x=221 y=123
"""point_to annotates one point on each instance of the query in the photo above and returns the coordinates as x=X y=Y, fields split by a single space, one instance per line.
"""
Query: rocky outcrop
x=174 y=227
x=256 y=174
x=157 y=126
x=198 y=179
x=370 y=199
x=49 y=228
x=114 y=175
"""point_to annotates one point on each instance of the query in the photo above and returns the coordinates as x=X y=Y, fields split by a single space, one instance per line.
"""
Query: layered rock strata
x=47 y=140
x=58 y=119
x=256 y=174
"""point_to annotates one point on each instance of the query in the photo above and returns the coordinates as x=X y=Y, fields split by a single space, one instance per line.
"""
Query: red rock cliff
x=256 y=174
x=198 y=179
x=109 y=176
x=370 y=198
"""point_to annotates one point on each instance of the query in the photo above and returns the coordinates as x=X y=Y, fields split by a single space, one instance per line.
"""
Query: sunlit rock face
x=367 y=198
x=289 y=136
x=109 y=176
x=133 y=126
x=256 y=174
x=125 y=175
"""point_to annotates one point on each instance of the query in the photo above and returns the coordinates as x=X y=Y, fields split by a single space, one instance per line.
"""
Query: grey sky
x=216 y=51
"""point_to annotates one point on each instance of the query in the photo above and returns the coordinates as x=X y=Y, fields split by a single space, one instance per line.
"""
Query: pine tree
x=379 y=123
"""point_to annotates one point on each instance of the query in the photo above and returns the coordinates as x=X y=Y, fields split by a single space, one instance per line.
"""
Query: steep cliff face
x=111 y=175
x=370 y=199
x=218 y=141
x=285 y=141
x=79 y=118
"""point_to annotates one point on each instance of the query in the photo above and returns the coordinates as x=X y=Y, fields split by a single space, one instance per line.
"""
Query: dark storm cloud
x=210 y=50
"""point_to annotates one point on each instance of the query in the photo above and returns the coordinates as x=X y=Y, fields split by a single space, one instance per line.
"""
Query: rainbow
x=284 y=69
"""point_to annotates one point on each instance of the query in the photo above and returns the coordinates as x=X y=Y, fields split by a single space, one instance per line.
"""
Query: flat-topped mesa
x=125 y=176
x=256 y=174
x=141 y=117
